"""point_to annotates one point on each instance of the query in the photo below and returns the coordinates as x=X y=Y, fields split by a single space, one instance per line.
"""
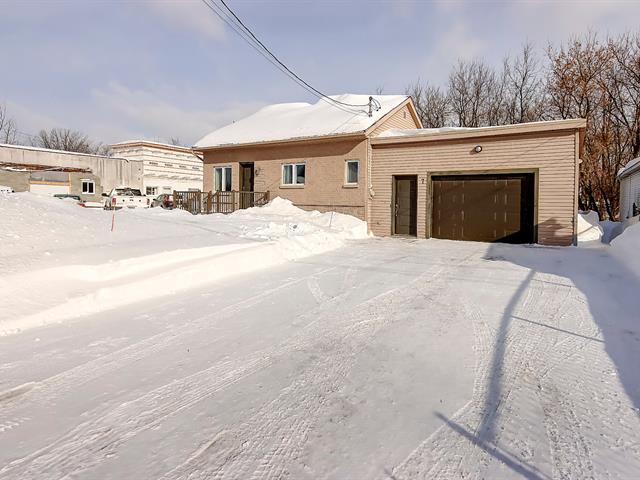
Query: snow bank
x=609 y=229
x=589 y=229
x=626 y=248
x=62 y=261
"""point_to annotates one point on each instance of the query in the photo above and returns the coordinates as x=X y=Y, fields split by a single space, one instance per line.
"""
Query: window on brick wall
x=351 y=172
x=293 y=173
x=222 y=179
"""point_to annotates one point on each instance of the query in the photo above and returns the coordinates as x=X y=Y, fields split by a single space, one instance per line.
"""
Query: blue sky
x=119 y=70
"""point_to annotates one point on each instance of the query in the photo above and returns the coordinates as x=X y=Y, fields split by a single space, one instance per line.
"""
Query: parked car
x=4 y=189
x=126 y=197
x=164 y=200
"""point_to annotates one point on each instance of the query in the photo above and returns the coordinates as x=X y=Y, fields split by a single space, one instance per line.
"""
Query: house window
x=293 y=174
x=166 y=189
x=88 y=186
x=152 y=190
x=222 y=177
x=351 y=172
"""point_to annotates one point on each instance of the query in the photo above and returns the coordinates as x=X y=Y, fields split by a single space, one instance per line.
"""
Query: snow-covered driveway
x=383 y=359
x=276 y=343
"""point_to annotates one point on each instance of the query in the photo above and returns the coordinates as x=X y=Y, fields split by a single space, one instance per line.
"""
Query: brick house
x=510 y=183
x=316 y=155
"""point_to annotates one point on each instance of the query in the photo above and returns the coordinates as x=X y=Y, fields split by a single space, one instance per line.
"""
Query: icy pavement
x=383 y=359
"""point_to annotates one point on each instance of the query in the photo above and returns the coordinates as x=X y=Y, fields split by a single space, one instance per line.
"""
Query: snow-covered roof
x=50 y=150
x=403 y=132
x=293 y=121
x=629 y=168
x=533 y=126
x=149 y=143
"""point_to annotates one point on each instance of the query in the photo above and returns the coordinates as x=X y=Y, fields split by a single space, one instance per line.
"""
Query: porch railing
x=218 y=202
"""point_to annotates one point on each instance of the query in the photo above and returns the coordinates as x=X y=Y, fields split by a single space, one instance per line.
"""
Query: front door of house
x=246 y=185
x=405 y=205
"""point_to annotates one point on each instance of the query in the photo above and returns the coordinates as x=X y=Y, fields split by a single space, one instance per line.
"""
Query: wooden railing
x=218 y=202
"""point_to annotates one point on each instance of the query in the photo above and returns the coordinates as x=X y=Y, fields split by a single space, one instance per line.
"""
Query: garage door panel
x=49 y=189
x=484 y=208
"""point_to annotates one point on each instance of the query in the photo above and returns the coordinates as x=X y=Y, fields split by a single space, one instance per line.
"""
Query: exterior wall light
x=477 y=148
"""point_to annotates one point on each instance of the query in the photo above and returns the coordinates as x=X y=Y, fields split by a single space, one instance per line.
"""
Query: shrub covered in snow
x=589 y=229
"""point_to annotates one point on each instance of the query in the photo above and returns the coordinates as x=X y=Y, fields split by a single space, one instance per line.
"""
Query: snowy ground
x=381 y=358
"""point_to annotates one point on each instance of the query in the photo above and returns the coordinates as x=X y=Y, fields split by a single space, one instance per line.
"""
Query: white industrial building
x=165 y=167
x=49 y=172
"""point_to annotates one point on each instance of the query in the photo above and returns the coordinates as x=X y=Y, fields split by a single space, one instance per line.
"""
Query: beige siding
x=324 y=188
x=552 y=156
x=400 y=119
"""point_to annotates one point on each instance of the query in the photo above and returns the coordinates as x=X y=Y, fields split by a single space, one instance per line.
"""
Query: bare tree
x=587 y=80
x=431 y=104
x=8 y=131
x=470 y=93
x=176 y=141
x=523 y=87
x=68 y=140
x=583 y=78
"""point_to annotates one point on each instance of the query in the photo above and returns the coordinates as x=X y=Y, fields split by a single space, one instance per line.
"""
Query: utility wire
x=248 y=30
x=248 y=36
x=224 y=16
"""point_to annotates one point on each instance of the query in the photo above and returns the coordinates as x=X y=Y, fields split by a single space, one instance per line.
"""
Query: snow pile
x=589 y=229
x=626 y=247
x=61 y=261
x=302 y=120
x=609 y=229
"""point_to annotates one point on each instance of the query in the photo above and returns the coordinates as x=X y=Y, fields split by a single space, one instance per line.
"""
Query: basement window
x=293 y=173
x=88 y=186
x=351 y=172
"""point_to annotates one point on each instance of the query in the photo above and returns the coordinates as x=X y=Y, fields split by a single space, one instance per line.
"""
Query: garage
x=509 y=183
x=485 y=208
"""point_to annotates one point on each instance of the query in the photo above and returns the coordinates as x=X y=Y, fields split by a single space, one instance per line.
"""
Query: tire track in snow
x=91 y=442
x=271 y=439
x=566 y=385
x=446 y=453
x=49 y=389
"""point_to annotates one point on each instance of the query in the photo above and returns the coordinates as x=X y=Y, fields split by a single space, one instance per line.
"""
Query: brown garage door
x=485 y=208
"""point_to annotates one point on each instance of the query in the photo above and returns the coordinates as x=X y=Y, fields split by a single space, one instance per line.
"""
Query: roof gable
x=296 y=121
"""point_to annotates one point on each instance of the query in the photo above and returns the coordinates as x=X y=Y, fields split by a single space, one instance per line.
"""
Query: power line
x=224 y=16
x=248 y=36
x=248 y=30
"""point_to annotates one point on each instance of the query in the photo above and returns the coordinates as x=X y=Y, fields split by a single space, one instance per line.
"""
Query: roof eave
x=406 y=102
x=313 y=139
x=628 y=171
x=143 y=143
x=517 y=129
